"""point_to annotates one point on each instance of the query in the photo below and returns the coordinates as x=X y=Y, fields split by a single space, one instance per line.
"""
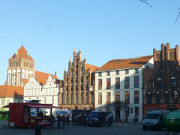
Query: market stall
x=29 y=114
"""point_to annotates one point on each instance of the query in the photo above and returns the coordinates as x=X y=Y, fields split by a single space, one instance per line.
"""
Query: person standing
x=59 y=121
x=52 y=119
x=68 y=119
x=63 y=122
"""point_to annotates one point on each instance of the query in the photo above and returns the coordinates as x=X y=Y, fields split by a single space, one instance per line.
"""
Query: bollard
x=37 y=130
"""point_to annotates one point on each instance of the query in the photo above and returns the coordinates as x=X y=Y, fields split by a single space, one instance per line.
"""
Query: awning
x=41 y=106
x=6 y=106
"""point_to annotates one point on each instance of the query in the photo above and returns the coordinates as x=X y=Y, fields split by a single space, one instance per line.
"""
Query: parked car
x=79 y=116
x=98 y=118
x=155 y=119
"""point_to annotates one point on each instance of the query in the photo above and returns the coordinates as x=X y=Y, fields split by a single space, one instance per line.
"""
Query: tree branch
x=146 y=2
x=177 y=16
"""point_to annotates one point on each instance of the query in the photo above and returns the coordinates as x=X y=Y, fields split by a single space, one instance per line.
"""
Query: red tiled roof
x=125 y=63
x=22 y=54
x=11 y=91
x=42 y=77
x=25 y=81
x=92 y=67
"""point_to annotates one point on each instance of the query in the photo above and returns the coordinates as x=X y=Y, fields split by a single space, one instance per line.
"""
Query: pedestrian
x=68 y=119
x=52 y=120
x=63 y=122
x=59 y=121
x=126 y=121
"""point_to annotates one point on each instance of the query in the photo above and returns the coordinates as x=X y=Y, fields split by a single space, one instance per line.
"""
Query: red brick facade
x=161 y=88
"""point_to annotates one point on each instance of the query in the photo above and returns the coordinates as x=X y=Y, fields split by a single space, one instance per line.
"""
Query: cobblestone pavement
x=115 y=129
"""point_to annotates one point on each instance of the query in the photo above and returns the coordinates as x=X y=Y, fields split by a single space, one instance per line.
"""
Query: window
x=108 y=83
x=76 y=98
x=108 y=73
x=117 y=72
x=166 y=98
x=159 y=83
x=127 y=71
x=108 y=97
x=99 y=74
x=99 y=84
x=157 y=98
x=71 y=98
x=87 y=97
x=136 y=111
x=127 y=82
x=136 y=97
x=117 y=82
x=136 y=81
x=99 y=98
x=173 y=82
x=127 y=97
x=117 y=97
x=136 y=70
x=81 y=97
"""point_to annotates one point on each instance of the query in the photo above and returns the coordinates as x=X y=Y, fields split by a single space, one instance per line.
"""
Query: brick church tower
x=20 y=68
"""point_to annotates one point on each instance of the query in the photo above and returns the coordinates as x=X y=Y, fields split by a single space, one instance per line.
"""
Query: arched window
x=149 y=98
x=173 y=81
x=158 y=97
x=9 y=77
x=166 y=97
x=159 y=83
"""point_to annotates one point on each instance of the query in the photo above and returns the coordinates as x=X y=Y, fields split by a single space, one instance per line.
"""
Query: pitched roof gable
x=42 y=77
x=125 y=63
x=11 y=91
x=22 y=53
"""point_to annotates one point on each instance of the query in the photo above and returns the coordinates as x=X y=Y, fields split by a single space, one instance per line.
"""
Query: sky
x=103 y=30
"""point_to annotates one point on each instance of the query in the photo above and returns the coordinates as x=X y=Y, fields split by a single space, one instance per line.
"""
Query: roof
x=125 y=63
x=42 y=77
x=11 y=91
x=40 y=106
x=92 y=67
x=22 y=53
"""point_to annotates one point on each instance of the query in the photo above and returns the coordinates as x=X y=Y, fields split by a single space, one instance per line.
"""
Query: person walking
x=63 y=122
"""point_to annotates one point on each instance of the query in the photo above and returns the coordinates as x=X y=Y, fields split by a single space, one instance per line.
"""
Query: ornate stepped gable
x=78 y=81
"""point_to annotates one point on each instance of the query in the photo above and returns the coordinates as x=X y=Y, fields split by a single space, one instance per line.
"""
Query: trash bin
x=37 y=130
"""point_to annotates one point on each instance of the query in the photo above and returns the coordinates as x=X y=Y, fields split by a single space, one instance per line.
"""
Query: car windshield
x=152 y=116
x=94 y=114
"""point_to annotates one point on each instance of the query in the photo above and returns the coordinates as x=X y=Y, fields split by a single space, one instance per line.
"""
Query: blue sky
x=50 y=30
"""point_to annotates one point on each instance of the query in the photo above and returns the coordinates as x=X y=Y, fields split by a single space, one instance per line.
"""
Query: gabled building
x=78 y=88
x=162 y=83
x=43 y=87
x=10 y=94
x=20 y=68
x=120 y=81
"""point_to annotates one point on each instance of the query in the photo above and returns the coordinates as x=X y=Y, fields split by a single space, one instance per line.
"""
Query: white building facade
x=47 y=93
x=118 y=87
